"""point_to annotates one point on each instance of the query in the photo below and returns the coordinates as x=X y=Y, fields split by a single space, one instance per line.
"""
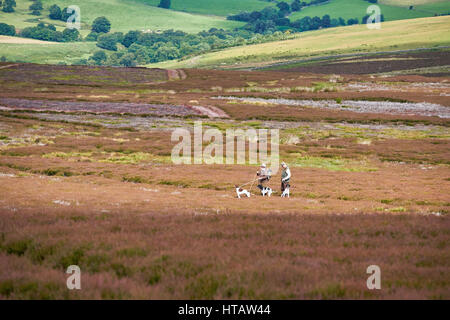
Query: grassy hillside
x=53 y=53
x=436 y=7
x=391 y=9
x=407 y=3
x=214 y=7
x=124 y=15
x=395 y=35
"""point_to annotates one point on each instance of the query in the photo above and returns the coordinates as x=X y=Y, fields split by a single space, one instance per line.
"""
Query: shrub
x=7 y=30
x=99 y=57
x=73 y=257
x=108 y=42
x=93 y=36
x=42 y=32
x=36 y=6
x=165 y=4
x=128 y=60
x=71 y=35
x=18 y=248
x=101 y=25
x=65 y=15
x=8 y=6
x=130 y=38
x=55 y=12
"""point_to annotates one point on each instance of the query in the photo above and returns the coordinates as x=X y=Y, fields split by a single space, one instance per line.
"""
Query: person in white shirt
x=263 y=176
x=285 y=176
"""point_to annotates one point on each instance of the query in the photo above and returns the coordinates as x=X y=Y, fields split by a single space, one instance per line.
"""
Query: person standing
x=285 y=177
x=263 y=176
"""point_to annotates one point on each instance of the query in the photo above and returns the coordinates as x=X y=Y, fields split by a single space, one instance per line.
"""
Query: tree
x=269 y=13
x=306 y=23
x=7 y=30
x=334 y=23
x=101 y=25
x=9 y=5
x=42 y=32
x=326 y=21
x=130 y=38
x=108 y=42
x=92 y=36
x=55 y=12
x=99 y=57
x=255 y=15
x=128 y=60
x=352 y=21
x=316 y=23
x=167 y=52
x=165 y=4
x=282 y=22
x=262 y=26
x=36 y=6
x=296 y=6
x=71 y=35
x=65 y=15
x=284 y=7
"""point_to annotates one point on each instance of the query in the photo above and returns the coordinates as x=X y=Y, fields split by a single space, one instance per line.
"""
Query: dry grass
x=100 y=191
x=222 y=256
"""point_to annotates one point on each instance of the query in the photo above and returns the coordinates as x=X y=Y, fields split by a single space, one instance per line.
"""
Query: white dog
x=285 y=193
x=266 y=191
x=240 y=192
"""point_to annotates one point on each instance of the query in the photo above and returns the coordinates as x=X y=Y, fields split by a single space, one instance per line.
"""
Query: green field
x=214 y=7
x=47 y=53
x=407 y=3
x=357 y=9
x=438 y=7
x=394 y=35
x=124 y=15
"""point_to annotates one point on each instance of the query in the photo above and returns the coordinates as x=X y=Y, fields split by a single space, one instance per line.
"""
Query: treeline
x=271 y=19
x=42 y=31
x=7 y=29
x=48 y=32
x=139 y=48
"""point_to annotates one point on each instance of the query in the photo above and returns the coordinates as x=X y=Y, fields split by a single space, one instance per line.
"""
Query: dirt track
x=17 y=40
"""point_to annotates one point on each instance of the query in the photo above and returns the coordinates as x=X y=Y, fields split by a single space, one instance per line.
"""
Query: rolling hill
x=391 y=9
x=214 y=7
x=124 y=15
x=44 y=52
x=394 y=35
x=197 y=15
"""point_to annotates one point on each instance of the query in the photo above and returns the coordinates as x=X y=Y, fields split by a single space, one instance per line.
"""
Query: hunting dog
x=266 y=191
x=242 y=192
x=285 y=193
x=285 y=187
